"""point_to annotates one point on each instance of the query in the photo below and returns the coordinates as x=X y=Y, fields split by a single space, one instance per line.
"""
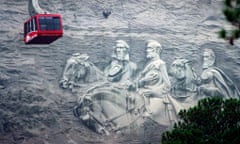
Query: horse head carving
x=184 y=76
x=79 y=70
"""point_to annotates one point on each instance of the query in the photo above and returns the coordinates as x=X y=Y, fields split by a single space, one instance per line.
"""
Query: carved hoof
x=103 y=131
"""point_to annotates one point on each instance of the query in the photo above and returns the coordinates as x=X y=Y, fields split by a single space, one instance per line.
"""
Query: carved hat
x=79 y=56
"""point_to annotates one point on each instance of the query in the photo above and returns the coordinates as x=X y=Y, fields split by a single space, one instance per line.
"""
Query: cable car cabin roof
x=43 y=29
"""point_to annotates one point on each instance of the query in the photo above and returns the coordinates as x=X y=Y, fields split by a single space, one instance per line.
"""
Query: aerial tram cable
x=34 y=8
x=42 y=27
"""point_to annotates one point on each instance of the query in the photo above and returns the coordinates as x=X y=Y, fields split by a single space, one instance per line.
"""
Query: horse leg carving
x=76 y=111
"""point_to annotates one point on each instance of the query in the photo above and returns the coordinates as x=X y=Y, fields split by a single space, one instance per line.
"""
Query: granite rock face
x=34 y=109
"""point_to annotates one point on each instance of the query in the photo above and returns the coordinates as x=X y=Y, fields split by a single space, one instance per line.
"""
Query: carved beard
x=151 y=55
x=124 y=57
x=208 y=63
x=121 y=55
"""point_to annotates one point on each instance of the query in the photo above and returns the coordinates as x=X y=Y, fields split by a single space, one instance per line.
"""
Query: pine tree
x=212 y=121
x=231 y=12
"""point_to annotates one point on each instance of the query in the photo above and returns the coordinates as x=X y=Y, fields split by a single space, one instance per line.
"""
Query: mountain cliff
x=34 y=109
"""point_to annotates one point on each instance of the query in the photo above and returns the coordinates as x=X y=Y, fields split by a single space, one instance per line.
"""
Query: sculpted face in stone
x=208 y=58
x=152 y=49
x=121 y=50
x=120 y=67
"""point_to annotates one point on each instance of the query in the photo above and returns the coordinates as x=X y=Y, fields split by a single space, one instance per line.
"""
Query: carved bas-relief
x=107 y=105
x=109 y=108
x=119 y=100
x=79 y=70
x=153 y=85
x=214 y=82
x=120 y=68
x=184 y=85
x=114 y=107
x=185 y=78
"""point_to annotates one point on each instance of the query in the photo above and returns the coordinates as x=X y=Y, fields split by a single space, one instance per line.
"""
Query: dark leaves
x=213 y=120
x=232 y=15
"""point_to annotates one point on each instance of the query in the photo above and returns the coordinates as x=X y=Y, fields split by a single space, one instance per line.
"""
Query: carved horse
x=184 y=87
x=109 y=108
x=185 y=76
x=79 y=70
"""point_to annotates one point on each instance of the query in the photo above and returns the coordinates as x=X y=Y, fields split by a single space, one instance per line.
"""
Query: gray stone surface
x=34 y=109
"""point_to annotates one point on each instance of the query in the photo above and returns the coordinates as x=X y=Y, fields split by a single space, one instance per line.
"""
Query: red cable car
x=43 y=29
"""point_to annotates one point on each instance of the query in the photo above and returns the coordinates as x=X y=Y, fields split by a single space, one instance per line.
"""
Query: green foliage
x=231 y=12
x=236 y=33
x=222 y=33
x=212 y=121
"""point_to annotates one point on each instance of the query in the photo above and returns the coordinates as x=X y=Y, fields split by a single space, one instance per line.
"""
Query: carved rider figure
x=214 y=81
x=153 y=81
x=154 y=77
x=120 y=68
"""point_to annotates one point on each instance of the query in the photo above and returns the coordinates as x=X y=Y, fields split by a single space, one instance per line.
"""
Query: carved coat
x=154 y=78
x=217 y=83
x=120 y=71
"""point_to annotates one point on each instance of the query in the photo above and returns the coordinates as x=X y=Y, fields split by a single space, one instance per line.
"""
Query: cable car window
x=31 y=25
x=57 y=23
x=35 y=21
x=28 y=26
x=49 y=23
